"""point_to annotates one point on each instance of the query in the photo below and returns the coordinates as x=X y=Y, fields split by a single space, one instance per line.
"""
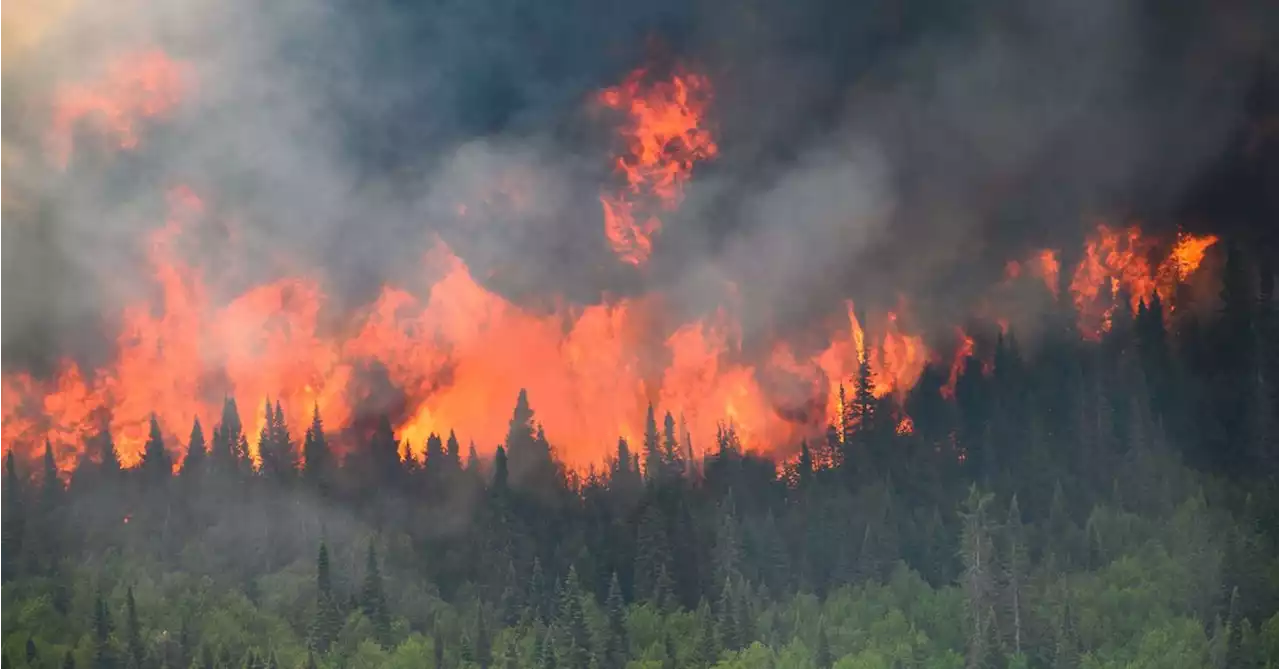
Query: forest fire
x=1118 y=264
x=666 y=135
x=456 y=357
x=133 y=87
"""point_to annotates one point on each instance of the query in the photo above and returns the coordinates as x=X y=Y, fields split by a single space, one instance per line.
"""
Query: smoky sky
x=868 y=149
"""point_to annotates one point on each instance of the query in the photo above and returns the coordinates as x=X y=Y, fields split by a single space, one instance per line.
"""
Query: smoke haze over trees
x=639 y=334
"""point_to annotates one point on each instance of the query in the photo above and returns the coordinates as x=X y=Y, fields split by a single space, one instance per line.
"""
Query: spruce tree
x=230 y=452
x=103 y=653
x=194 y=461
x=500 y=470
x=14 y=522
x=373 y=600
x=671 y=456
x=156 y=465
x=328 y=619
x=108 y=456
x=617 y=644
x=822 y=656
x=134 y=650
x=652 y=447
x=317 y=460
x=275 y=447
x=435 y=465
x=575 y=644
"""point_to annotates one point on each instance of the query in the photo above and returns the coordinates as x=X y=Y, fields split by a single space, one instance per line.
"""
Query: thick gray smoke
x=868 y=149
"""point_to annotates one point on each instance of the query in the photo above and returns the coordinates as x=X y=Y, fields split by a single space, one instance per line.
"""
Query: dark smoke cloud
x=868 y=149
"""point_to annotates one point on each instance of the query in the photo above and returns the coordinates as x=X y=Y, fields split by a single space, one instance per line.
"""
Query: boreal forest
x=639 y=335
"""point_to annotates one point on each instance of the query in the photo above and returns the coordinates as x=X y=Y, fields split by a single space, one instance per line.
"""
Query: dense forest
x=1074 y=504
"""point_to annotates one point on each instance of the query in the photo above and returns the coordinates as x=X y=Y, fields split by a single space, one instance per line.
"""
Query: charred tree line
x=993 y=530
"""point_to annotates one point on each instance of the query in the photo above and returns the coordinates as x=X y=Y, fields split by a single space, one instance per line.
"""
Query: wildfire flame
x=1121 y=260
x=665 y=135
x=456 y=355
x=133 y=87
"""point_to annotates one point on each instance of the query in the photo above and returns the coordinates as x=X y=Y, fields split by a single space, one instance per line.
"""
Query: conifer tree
x=156 y=466
x=617 y=644
x=108 y=456
x=727 y=619
x=194 y=462
x=822 y=656
x=50 y=485
x=500 y=470
x=317 y=460
x=373 y=600
x=453 y=452
x=134 y=651
x=435 y=464
x=671 y=455
x=384 y=453
x=669 y=660
x=575 y=642
x=978 y=553
x=483 y=652
x=275 y=446
x=14 y=522
x=1015 y=577
x=652 y=447
x=653 y=553
x=230 y=451
x=328 y=619
x=103 y=653
x=708 y=644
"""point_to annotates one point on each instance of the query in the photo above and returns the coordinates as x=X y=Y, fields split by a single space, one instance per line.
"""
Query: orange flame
x=1121 y=260
x=133 y=87
x=963 y=352
x=665 y=137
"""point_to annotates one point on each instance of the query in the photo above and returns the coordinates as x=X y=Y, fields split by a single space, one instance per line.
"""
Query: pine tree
x=617 y=644
x=108 y=456
x=328 y=619
x=500 y=470
x=669 y=660
x=483 y=651
x=708 y=644
x=653 y=553
x=373 y=601
x=822 y=657
x=50 y=485
x=103 y=653
x=384 y=453
x=317 y=460
x=727 y=622
x=804 y=467
x=1015 y=578
x=453 y=452
x=156 y=466
x=14 y=522
x=275 y=446
x=978 y=554
x=194 y=462
x=134 y=651
x=575 y=644
x=230 y=451
x=547 y=650
x=537 y=596
x=652 y=448
x=671 y=455
x=435 y=465
x=522 y=448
